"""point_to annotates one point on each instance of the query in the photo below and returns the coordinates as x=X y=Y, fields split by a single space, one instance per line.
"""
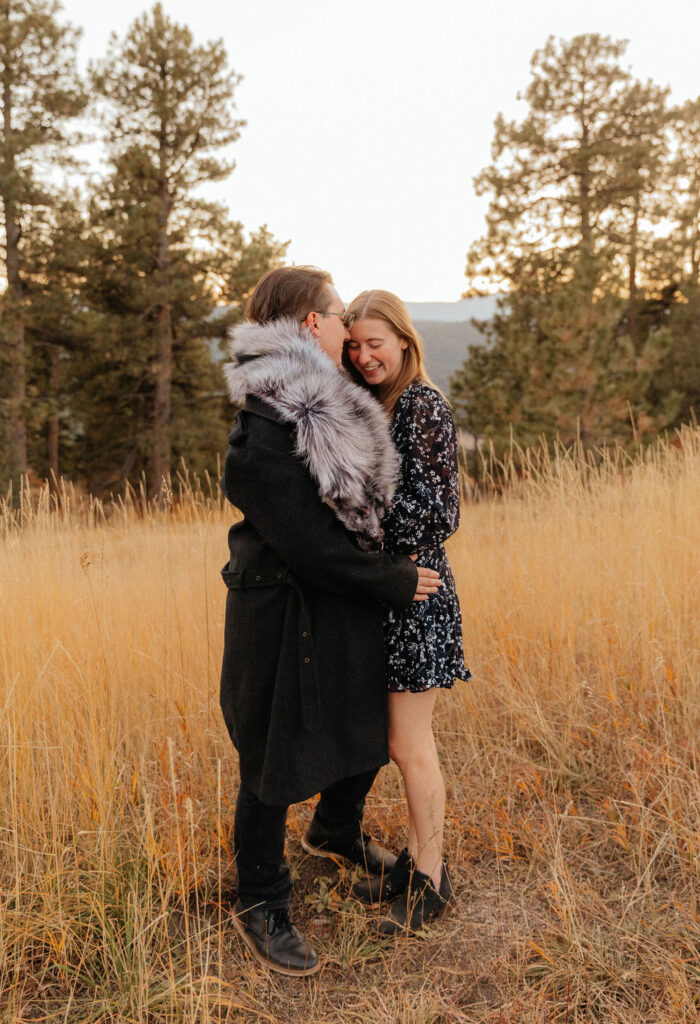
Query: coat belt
x=308 y=677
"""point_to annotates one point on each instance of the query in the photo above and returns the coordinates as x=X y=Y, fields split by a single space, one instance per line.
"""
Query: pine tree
x=572 y=206
x=56 y=330
x=168 y=106
x=682 y=195
x=212 y=268
x=239 y=263
x=678 y=380
x=552 y=180
x=676 y=384
x=41 y=93
x=639 y=162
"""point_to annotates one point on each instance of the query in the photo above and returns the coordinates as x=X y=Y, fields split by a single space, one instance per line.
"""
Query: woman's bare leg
x=412 y=747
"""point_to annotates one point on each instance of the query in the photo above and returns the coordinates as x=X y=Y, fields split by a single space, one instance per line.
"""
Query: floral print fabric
x=424 y=641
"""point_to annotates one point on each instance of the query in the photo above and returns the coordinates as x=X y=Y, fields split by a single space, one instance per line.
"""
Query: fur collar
x=342 y=433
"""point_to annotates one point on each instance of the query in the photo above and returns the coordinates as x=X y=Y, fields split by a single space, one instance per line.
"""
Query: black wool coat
x=303 y=689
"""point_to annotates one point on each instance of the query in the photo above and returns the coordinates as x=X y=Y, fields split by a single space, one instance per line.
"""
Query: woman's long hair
x=380 y=305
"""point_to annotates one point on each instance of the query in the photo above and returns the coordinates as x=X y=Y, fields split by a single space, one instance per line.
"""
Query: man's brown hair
x=289 y=291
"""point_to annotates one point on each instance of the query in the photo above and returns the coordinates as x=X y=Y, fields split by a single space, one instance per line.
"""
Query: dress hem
x=433 y=686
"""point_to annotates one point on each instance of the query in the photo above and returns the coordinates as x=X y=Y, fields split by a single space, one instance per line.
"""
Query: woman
x=423 y=643
x=302 y=681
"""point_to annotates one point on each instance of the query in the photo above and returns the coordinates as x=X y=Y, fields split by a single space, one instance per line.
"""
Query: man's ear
x=311 y=322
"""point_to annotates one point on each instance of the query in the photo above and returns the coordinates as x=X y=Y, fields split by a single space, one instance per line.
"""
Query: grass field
x=571 y=763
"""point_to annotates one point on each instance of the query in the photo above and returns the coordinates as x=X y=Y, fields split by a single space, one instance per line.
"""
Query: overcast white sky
x=367 y=120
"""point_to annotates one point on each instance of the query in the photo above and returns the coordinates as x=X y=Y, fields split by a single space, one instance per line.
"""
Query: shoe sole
x=373 y=904
x=317 y=851
x=366 y=903
x=405 y=929
x=305 y=972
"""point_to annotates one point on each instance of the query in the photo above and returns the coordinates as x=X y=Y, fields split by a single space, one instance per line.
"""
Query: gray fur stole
x=342 y=433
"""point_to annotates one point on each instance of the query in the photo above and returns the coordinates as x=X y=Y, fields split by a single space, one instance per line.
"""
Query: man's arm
x=276 y=494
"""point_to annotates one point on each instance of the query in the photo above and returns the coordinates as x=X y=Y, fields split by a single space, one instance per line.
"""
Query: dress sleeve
x=425 y=508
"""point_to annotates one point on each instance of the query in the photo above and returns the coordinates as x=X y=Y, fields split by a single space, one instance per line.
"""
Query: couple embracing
x=339 y=590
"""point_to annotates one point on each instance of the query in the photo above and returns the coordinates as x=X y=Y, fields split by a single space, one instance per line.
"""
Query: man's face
x=328 y=327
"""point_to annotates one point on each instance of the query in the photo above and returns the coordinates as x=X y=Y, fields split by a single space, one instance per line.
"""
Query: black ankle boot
x=386 y=886
x=272 y=938
x=421 y=903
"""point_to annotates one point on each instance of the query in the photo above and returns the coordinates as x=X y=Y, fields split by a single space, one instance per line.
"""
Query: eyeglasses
x=348 y=319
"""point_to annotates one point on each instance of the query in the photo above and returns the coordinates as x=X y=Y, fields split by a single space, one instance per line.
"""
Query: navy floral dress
x=424 y=641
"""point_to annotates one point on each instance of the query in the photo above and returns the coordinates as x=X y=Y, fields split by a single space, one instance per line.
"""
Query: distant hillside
x=482 y=307
x=446 y=347
x=447 y=331
x=445 y=327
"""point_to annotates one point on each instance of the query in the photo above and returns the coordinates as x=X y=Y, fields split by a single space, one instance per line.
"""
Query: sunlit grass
x=570 y=760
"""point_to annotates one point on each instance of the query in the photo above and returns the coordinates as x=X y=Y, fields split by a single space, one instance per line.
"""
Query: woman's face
x=376 y=351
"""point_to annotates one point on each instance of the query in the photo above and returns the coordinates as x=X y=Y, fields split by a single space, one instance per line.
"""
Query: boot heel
x=387 y=886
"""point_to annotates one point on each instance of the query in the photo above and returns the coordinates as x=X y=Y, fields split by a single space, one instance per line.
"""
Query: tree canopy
x=577 y=239
x=41 y=95
x=118 y=294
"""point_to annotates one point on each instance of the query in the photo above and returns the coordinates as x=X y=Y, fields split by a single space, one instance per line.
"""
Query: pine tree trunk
x=695 y=245
x=586 y=231
x=585 y=274
x=632 y=273
x=17 y=383
x=160 y=457
x=52 y=438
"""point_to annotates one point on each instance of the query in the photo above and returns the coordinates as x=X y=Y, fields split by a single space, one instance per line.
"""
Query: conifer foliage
x=40 y=96
x=118 y=294
x=577 y=240
x=168 y=113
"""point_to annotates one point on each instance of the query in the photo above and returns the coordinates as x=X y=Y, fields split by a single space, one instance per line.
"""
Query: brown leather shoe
x=274 y=941
x=362 y=852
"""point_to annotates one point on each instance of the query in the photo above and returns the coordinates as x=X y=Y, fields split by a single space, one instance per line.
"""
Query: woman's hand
x=428 y=582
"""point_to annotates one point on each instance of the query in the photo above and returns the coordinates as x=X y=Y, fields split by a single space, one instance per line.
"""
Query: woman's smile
x=369 y=370
x=376 y=351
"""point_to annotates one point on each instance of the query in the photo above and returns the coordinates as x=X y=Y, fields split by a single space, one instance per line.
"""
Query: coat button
x=307 y=660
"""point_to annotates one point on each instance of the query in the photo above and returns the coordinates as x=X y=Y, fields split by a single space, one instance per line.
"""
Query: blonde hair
x=380 y=305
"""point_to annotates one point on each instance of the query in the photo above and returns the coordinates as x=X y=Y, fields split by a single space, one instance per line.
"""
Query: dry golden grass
x=571 y=763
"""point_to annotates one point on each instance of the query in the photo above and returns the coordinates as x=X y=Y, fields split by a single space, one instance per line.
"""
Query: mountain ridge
x=447 y=332
x=481 y=307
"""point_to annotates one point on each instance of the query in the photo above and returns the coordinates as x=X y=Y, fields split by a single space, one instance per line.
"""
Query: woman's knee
x=411 y=742
x=408 y=753
x=397 y=751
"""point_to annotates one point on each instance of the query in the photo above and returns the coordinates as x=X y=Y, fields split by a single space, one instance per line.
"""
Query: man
x=311 y=466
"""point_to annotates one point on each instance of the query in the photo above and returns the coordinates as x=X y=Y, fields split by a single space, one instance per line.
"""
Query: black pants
x=259 y=830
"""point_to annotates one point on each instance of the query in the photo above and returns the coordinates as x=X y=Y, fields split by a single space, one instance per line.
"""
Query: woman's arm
x=425 y=509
